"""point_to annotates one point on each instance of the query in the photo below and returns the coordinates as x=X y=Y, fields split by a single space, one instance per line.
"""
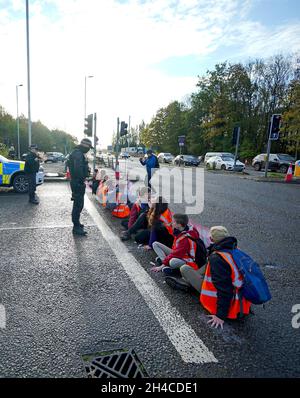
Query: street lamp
x=28 y=73
x=18 y=123
x=85 y=77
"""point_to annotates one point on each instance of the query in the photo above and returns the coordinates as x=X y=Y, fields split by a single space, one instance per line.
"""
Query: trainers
x=177 y=284
x=170 y=271
x=79 y=231
x=34 y=201
x=125 y=236
x=158 y=261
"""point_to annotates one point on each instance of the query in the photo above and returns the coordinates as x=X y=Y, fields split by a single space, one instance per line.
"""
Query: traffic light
x=235 y=135
x=275 y=122
x=88 y=125
x=123 y=129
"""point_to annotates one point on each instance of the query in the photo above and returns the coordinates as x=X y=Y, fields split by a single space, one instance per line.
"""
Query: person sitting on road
x=153 y=225
x=218 y=286
x=183 y=250
x=140 y=206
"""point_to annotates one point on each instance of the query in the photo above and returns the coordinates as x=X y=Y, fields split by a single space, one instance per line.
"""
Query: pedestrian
x=79 y=171
x=12 y=152
x=32 y=165
x=183 y=250
x=151 y=163
x=219 y=287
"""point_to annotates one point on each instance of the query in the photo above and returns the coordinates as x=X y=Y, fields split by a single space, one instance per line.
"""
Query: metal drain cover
x=115 y=364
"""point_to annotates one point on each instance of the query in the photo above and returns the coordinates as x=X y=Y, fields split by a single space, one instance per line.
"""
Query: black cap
x=86 y=143
x=149 y=152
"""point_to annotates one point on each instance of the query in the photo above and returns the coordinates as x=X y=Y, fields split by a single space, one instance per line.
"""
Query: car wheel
x=283 y=169
x=223 y=167
x=20 y=184
x=257 y=166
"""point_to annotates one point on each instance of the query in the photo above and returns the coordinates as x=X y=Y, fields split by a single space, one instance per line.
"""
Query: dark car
x=186 y=160
x=277 y=162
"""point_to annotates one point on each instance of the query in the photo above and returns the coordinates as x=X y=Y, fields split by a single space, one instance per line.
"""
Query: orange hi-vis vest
x=121 y=210
x=209 y=297
x=166 y=218
x=189 y=257
x=103 y=189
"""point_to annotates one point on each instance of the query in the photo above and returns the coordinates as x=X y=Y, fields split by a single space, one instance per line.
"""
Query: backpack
x=156 y=163
x=201 y=252
x=255 y=288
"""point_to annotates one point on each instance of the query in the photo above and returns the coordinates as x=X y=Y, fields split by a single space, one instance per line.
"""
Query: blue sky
x=142 y=53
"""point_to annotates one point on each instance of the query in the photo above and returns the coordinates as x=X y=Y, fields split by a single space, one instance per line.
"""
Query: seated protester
x=159 y=219
x=101 y=194
x=219 y=286
x=95 y=182
x=140 y=206
x=183 y=250
x=112 y=195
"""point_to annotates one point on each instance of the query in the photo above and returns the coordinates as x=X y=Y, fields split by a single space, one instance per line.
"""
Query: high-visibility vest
x=189 y=257
x=208 y=295
x=102 y=194
x=166 y=218
x=121 y=211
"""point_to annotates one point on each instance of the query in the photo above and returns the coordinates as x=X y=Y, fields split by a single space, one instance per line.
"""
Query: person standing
x=32 y=165
x=151 y=163
x=79 y=171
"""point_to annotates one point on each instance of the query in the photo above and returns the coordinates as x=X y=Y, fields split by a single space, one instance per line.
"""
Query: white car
x=224 y=163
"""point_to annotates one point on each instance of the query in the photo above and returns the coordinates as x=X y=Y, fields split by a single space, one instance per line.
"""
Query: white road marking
x=2 y=317
x=190 y=347
x=43 y=227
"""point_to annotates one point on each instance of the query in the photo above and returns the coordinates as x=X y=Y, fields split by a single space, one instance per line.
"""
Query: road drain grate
x=122 y=364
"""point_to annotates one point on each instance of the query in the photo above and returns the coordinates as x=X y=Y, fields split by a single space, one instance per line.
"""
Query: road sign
x=181 y=140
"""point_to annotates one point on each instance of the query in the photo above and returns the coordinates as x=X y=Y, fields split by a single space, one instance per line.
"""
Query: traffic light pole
x=237 y=146
x=95 y=143
x=268 y=149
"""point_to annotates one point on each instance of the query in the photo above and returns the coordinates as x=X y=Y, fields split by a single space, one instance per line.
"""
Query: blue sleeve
x=153 y=237
x=143 y=162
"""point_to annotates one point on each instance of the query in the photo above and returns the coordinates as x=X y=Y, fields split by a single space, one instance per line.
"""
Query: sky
x=142 y=54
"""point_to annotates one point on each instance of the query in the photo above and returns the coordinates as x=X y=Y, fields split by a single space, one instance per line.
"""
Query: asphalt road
x=67 y=296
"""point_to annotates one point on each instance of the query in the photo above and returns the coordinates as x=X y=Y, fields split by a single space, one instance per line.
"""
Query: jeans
x=78 y=191
x=163 y=251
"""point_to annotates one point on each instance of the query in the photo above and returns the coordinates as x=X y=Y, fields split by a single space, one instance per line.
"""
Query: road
x=66 y=296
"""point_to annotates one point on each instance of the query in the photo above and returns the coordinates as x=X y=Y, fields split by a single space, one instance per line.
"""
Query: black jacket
x=78 y=165
x=32 y=163
x=221 y=275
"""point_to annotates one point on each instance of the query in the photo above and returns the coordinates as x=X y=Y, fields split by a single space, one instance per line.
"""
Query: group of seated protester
x=182 y=256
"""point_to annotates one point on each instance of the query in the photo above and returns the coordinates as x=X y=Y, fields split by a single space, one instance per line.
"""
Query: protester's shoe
x=177 y=284
x=158 y=261
x=125 y=236
x=34 y=201
x=168 y=271
x=81 y=225
x=79 y=231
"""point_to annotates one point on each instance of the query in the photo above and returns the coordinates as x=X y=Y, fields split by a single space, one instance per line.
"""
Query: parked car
x=186 y=160
x=12 y=175
x=224 y=162
x=50 y=157
x=165 y=157
x=211 y=154
x=277 y=162
x=124 y=155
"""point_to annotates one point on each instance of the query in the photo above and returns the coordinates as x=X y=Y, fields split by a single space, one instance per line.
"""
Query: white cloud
x=118 y=43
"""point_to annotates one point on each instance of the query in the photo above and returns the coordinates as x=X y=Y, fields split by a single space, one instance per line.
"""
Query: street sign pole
x=237 y=146
x=95 y=143
x=268 y=149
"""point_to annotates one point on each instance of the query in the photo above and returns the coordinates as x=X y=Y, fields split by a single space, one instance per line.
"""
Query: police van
x=12 y=175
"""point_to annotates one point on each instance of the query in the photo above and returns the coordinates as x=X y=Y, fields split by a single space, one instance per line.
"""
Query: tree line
x=229 y=95
x=47 y=140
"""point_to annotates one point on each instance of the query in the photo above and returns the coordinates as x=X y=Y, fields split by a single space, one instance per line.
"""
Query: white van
x=210 y=154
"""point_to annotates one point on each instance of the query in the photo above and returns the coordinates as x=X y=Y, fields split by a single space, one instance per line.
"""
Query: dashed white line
x=2 y=317
x=190 y=347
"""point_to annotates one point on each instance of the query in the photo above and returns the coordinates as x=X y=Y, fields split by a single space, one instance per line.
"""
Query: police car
x=12 y=175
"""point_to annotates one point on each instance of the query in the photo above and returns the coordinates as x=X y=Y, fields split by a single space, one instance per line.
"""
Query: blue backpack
x=255 y=288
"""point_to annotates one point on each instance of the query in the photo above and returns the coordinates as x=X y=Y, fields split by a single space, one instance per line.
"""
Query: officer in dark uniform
x=79 y=171
x=32 y=165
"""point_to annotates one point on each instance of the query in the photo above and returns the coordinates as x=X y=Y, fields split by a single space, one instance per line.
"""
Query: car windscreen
x=285 y=157
x=227 y=158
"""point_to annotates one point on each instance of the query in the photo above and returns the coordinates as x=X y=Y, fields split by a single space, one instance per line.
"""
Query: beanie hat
x=218 y=233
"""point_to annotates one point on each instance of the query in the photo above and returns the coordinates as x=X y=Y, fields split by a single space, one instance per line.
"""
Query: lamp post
x=85 y=77
x=28 y=73
x=18 y=122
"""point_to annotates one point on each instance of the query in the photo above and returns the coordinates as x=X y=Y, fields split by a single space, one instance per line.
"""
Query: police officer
x=79 y=171
x=32 y=165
